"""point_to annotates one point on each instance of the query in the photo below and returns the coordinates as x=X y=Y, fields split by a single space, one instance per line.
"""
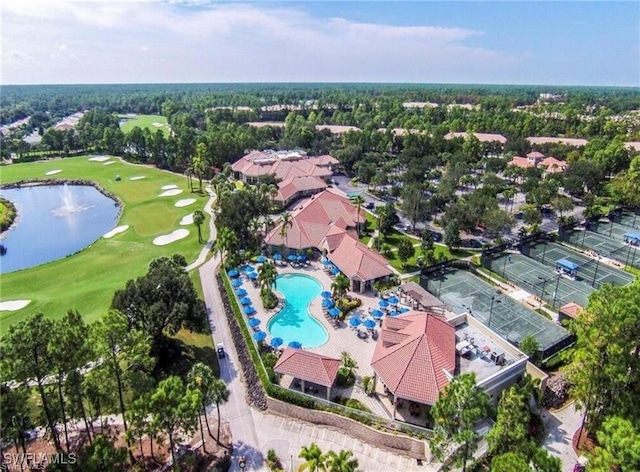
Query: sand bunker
x=187 y=220
x=53 y=172
x=171 y=193
x=109 y=163
x=99 y=158
x=169 y=187
x=165 y=239
x=157 y=125
x=14 y=305
x=185 y=202
x=116 y=230
x=138 y=177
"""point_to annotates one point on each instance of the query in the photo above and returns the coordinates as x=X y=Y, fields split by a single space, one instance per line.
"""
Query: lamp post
x=544 y=252
x=555 y=292
x=593 y=283
x=544 y=282
x=493 y=299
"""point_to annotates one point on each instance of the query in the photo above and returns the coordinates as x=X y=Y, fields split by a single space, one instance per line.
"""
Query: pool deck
x=342 y=338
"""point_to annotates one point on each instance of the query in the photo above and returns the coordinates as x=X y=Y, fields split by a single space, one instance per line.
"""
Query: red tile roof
x=415 y=355
x=535 y=155
x=324 y=161
x=553 y=165
x=288 y=188
x=355 y=259
x=308 y=366
x=572 y=310
x=521 y=162
x=482 y=137
x=337 y=129
x=551 y=140
x=258 y=163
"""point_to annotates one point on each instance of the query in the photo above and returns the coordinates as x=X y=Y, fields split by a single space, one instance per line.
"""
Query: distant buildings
x=577 y=142
x=482 y=137
x=550 y=164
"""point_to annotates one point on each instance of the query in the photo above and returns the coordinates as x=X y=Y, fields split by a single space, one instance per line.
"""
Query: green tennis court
x=540 y=280
x=630 y=219
x=613 y=230
x=463 y=292
x=603 y=246
x=591 y=271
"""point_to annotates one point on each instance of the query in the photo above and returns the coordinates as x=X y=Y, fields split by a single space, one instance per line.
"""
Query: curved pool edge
x=311 y=315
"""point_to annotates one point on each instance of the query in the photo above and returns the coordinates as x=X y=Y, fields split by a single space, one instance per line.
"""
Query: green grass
x=87 y=280
x=145 y=121
x=632 y=270
x=198 y=347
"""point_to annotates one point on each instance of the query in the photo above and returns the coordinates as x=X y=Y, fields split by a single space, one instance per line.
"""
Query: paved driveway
x=560 y=426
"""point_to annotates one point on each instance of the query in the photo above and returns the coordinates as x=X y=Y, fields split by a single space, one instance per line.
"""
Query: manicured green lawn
x=87 y=280
x=411 y=265
x=145 y=121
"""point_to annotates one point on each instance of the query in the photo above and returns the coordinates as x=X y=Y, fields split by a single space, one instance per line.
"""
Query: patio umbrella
x=241 y=292
x=249 y=310
x=394 y=313
x=236 y=283
x=369 y=323
x=383 y=304
x=233 y=273
x=405 y=309
x=334 y=312
x=326 y=262
x=292 y=258
x=327 y=303
x=295 y=345
x=248 y=269
x=377 y=313
x=246 y=301
x=355 y=322
x=252 y=275
x=259 y=336
x=393 y=300
x=276 y=342
x=253 y=322
x=302 y=258
x=261 y=259
x=277 y=256
x=335 y=270
x=326 y=294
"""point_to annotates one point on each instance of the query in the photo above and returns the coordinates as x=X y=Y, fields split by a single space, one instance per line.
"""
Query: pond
x=54 y=221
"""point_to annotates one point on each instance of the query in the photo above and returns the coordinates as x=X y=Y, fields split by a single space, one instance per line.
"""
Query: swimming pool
x=294 y=322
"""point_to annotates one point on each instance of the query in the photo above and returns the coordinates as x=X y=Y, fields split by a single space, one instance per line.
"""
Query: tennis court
x=540 y=280
x=613 y=230
x=591 y=271
x=630 y=219
x=604 y=246
x=463 y=292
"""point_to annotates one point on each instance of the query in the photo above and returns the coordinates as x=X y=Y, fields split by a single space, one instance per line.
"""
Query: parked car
x=369 y=205
x=221 y=353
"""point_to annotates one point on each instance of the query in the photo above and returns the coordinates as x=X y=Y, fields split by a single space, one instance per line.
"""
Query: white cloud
x=194 y=40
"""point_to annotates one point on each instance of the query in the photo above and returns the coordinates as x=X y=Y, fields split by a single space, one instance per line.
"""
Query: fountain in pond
x=69 y=206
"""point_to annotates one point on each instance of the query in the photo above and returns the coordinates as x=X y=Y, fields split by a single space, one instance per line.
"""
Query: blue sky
x=146 y=41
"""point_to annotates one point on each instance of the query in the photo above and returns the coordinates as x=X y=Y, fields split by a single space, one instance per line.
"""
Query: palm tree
x=198 y=219
x=314 y=459
x=226 y=242
x=341 y=462
x=267 y=274
x=358 y=201
x=348 y=363
x=189 y=173
x=219 y=394
x=201 y=378
x=340 y=286
x=287 y=222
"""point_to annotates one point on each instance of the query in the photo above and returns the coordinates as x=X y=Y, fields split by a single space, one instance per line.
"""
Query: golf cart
x=220 y=349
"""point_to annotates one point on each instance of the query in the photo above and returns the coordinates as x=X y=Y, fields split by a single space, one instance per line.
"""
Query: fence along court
x=462 y=291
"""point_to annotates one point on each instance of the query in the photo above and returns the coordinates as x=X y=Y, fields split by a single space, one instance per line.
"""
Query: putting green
x=86 y=281
x=153 y=122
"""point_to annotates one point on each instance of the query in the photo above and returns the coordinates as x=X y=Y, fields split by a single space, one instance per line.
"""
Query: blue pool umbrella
x=253 y=322
x=335 y=312
x=405 y=309
x=276 y=342
x=252 y=275
x=233 y=273
x=236 y=283
x=355 y=322
x=277 y=256
x=327 y=303
x=369 y=323
x=295 y=345
x=377 y=313
x=292 y=258
x=261 y=259
x=302 y=258
x=326 y=294
x=259 y=335
x=241 y=292
x=393 y=300
x=246 y=301
x=326 y=262
x=249 y=310
x=335 y=270
x=383 y=304
x=249 y=269
x=394 y=313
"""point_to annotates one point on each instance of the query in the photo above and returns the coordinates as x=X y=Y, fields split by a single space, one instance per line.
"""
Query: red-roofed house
x=298 y=176
x=308 y=367
x=328 y=223
x=482 y=137
x=553 y=165
x=537 y=159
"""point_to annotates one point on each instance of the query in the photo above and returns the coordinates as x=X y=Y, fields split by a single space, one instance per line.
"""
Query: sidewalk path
x=560 y=426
